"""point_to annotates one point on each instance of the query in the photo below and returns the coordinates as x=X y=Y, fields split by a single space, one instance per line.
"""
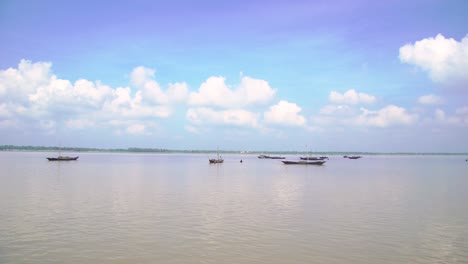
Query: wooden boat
x=303 y=162
x=217 y=160
x=276 y=157
x=270 y=157
x=352 y=157
x=309 y=157
x=313 y=158
x=63 y=158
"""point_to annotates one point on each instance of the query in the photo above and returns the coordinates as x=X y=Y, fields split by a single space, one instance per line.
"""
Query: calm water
x=154 y=208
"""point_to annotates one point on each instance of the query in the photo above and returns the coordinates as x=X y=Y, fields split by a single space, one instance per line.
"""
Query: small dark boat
x=270 y=157
x=303 y=162
x=63 y=158
x=353 y=157
x=217 y=160
x=276 y=157
x=313 y=158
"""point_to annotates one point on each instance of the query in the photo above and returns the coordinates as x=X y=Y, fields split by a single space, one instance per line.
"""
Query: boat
x=303 y=162
x=313 y=158
x=352 y=157
x=270 y=157
x=63 y=158
x=276 y=157
x=217 y=160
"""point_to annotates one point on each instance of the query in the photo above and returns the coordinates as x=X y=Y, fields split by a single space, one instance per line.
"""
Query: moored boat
x=313 y=158
x=219 y=159
x=270 y=157
x=303 y=162
x=63 y=158
x=352 y=157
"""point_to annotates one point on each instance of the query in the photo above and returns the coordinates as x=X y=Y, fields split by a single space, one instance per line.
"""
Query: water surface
x=177 y=208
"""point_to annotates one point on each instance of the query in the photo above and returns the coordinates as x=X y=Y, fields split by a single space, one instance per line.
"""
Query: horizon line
x=163 y=150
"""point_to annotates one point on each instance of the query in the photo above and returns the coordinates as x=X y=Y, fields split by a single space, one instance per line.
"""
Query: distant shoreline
x=156 y=150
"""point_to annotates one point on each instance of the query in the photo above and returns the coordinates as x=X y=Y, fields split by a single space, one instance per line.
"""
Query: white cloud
x=351 y=97
x=430 y=99
x=284 y=113
x=444 y=58
x=215 y=92
x=124 y=105
x=336 y=110
x=388 y=116
x=31 y=94
x=25 y=79
x=236 y=117
x=143 y=79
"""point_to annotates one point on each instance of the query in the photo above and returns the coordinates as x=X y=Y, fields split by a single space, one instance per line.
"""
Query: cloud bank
x=33 y=97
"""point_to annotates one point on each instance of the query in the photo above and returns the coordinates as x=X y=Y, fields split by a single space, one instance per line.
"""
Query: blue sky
x=246 y=75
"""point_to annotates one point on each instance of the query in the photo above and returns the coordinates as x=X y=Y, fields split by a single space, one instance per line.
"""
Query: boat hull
x=63 y=158
x=313 y=158
x=303 y=162
x=270 y=157
x=352 y=157
x=212 y=161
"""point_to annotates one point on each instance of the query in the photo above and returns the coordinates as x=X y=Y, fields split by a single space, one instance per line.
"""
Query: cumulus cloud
x=215 y=92
x=445 y=59
x=284 y=113
x=235 y=117
x=351 y=97
x=25 y=79
x=430 y=99
x=143 y=79
x=31 y=95
x=388 y=116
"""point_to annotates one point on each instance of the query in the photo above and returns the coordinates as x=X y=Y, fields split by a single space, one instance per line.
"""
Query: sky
x=334 y=75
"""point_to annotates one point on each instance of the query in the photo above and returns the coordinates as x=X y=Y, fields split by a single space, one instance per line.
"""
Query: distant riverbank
x=157 y=150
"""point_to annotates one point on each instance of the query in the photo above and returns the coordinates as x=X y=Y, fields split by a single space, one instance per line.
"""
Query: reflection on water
x=121 y=208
